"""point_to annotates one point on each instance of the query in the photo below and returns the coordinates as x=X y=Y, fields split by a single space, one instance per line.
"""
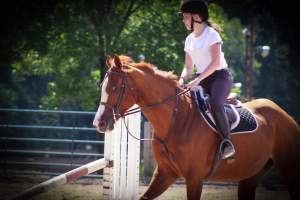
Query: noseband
x=116 y=107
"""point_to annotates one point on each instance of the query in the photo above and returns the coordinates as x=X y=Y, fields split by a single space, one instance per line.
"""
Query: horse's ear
x=118 y=62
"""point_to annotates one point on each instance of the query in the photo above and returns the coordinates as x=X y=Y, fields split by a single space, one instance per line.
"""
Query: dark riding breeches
x=218 y=85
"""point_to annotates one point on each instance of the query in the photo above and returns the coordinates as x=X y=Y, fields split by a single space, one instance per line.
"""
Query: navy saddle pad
x=241 y=119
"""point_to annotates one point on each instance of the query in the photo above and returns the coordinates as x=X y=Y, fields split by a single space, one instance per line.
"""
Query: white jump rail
x=68 y=177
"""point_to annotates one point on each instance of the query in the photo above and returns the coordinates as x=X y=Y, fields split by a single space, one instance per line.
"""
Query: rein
x=116 y=110
x=136 y=110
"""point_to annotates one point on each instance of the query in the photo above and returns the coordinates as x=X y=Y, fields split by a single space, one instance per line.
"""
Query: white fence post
x=121 y=181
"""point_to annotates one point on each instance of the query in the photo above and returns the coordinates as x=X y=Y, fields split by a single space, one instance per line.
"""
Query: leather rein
x=125 y=84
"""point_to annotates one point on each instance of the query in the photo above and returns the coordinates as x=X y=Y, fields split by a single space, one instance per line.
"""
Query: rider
x=203 y=50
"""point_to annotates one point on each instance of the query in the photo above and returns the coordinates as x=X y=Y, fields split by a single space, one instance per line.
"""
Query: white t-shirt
x=199 y=49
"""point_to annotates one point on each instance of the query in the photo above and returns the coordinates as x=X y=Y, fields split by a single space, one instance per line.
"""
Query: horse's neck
x=151 y=91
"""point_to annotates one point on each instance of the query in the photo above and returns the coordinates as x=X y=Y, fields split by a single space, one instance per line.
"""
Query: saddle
x=241 y=119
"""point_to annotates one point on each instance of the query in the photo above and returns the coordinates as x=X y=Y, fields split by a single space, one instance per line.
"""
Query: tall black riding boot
x=222 y=122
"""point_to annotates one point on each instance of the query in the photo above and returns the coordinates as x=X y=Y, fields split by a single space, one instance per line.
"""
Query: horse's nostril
x=102 y=123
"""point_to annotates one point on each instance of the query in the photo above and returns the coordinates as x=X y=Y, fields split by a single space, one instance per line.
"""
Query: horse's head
x=116 y=94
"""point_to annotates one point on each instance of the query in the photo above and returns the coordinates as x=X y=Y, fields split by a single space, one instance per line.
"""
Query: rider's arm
x=188 y=68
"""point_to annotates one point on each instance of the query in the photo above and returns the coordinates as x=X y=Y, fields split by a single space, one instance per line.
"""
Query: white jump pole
x=121 y=181
x=70 y=176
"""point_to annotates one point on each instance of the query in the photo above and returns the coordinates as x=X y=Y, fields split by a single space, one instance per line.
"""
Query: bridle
x=125 y=84
x=116 y=107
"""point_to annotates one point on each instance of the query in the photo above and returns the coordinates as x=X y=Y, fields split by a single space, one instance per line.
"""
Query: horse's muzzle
x=104 y=125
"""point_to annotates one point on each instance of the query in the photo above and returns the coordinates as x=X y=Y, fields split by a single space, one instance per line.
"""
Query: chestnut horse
x=184 y=145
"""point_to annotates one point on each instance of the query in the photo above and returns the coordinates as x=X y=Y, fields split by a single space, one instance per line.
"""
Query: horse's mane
x=126 y=59
x=151 y=69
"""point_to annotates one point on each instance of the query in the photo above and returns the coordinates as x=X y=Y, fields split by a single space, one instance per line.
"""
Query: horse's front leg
x=193 y=188
x=161 y=180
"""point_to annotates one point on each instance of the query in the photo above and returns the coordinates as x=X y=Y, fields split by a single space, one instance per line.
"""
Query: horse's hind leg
x=247 y=187
x=289 y=169
x=286 y=157
x=161 y=180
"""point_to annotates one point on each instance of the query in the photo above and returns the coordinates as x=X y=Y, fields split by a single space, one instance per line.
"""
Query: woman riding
x=203 y=50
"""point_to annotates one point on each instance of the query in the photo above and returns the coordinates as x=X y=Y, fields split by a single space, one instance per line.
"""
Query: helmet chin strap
x=196 y=21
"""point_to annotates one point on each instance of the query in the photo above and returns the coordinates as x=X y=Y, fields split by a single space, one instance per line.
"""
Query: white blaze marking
x=101 y=108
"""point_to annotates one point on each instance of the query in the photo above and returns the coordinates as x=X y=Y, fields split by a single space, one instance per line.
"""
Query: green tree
x=77 y=42
x=24 y=25
x=65 y=75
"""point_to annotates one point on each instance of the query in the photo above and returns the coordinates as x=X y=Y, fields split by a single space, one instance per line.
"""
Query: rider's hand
x=193 y=84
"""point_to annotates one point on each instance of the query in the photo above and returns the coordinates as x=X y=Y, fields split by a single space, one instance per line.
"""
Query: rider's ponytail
x=214 y=25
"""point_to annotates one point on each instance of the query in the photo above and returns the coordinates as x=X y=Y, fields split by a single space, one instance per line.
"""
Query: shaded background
x=52 y=52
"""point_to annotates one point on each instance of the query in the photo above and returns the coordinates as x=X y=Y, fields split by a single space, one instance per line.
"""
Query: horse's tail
x=286 y=152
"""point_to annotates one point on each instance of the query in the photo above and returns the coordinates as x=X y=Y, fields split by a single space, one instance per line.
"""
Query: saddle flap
x=233 y=115
x=232 y=99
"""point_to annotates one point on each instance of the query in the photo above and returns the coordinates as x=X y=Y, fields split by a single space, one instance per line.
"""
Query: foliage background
x=52 y=52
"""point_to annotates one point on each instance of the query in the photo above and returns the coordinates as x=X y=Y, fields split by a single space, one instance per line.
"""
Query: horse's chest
x=162 y=151
x=166 y=156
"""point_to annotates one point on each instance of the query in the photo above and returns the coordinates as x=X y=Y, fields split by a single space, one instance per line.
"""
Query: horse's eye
x=113 y=88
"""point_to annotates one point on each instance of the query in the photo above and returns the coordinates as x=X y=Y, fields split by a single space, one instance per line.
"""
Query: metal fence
x=47 y=141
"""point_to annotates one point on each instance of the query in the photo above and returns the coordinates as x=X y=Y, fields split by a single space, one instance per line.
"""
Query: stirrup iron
x=224 y=141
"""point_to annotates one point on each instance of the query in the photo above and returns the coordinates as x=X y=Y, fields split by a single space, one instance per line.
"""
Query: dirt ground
x=92 y=190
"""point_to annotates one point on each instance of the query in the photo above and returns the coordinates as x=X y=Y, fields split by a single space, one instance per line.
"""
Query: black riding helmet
x=195 y=7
